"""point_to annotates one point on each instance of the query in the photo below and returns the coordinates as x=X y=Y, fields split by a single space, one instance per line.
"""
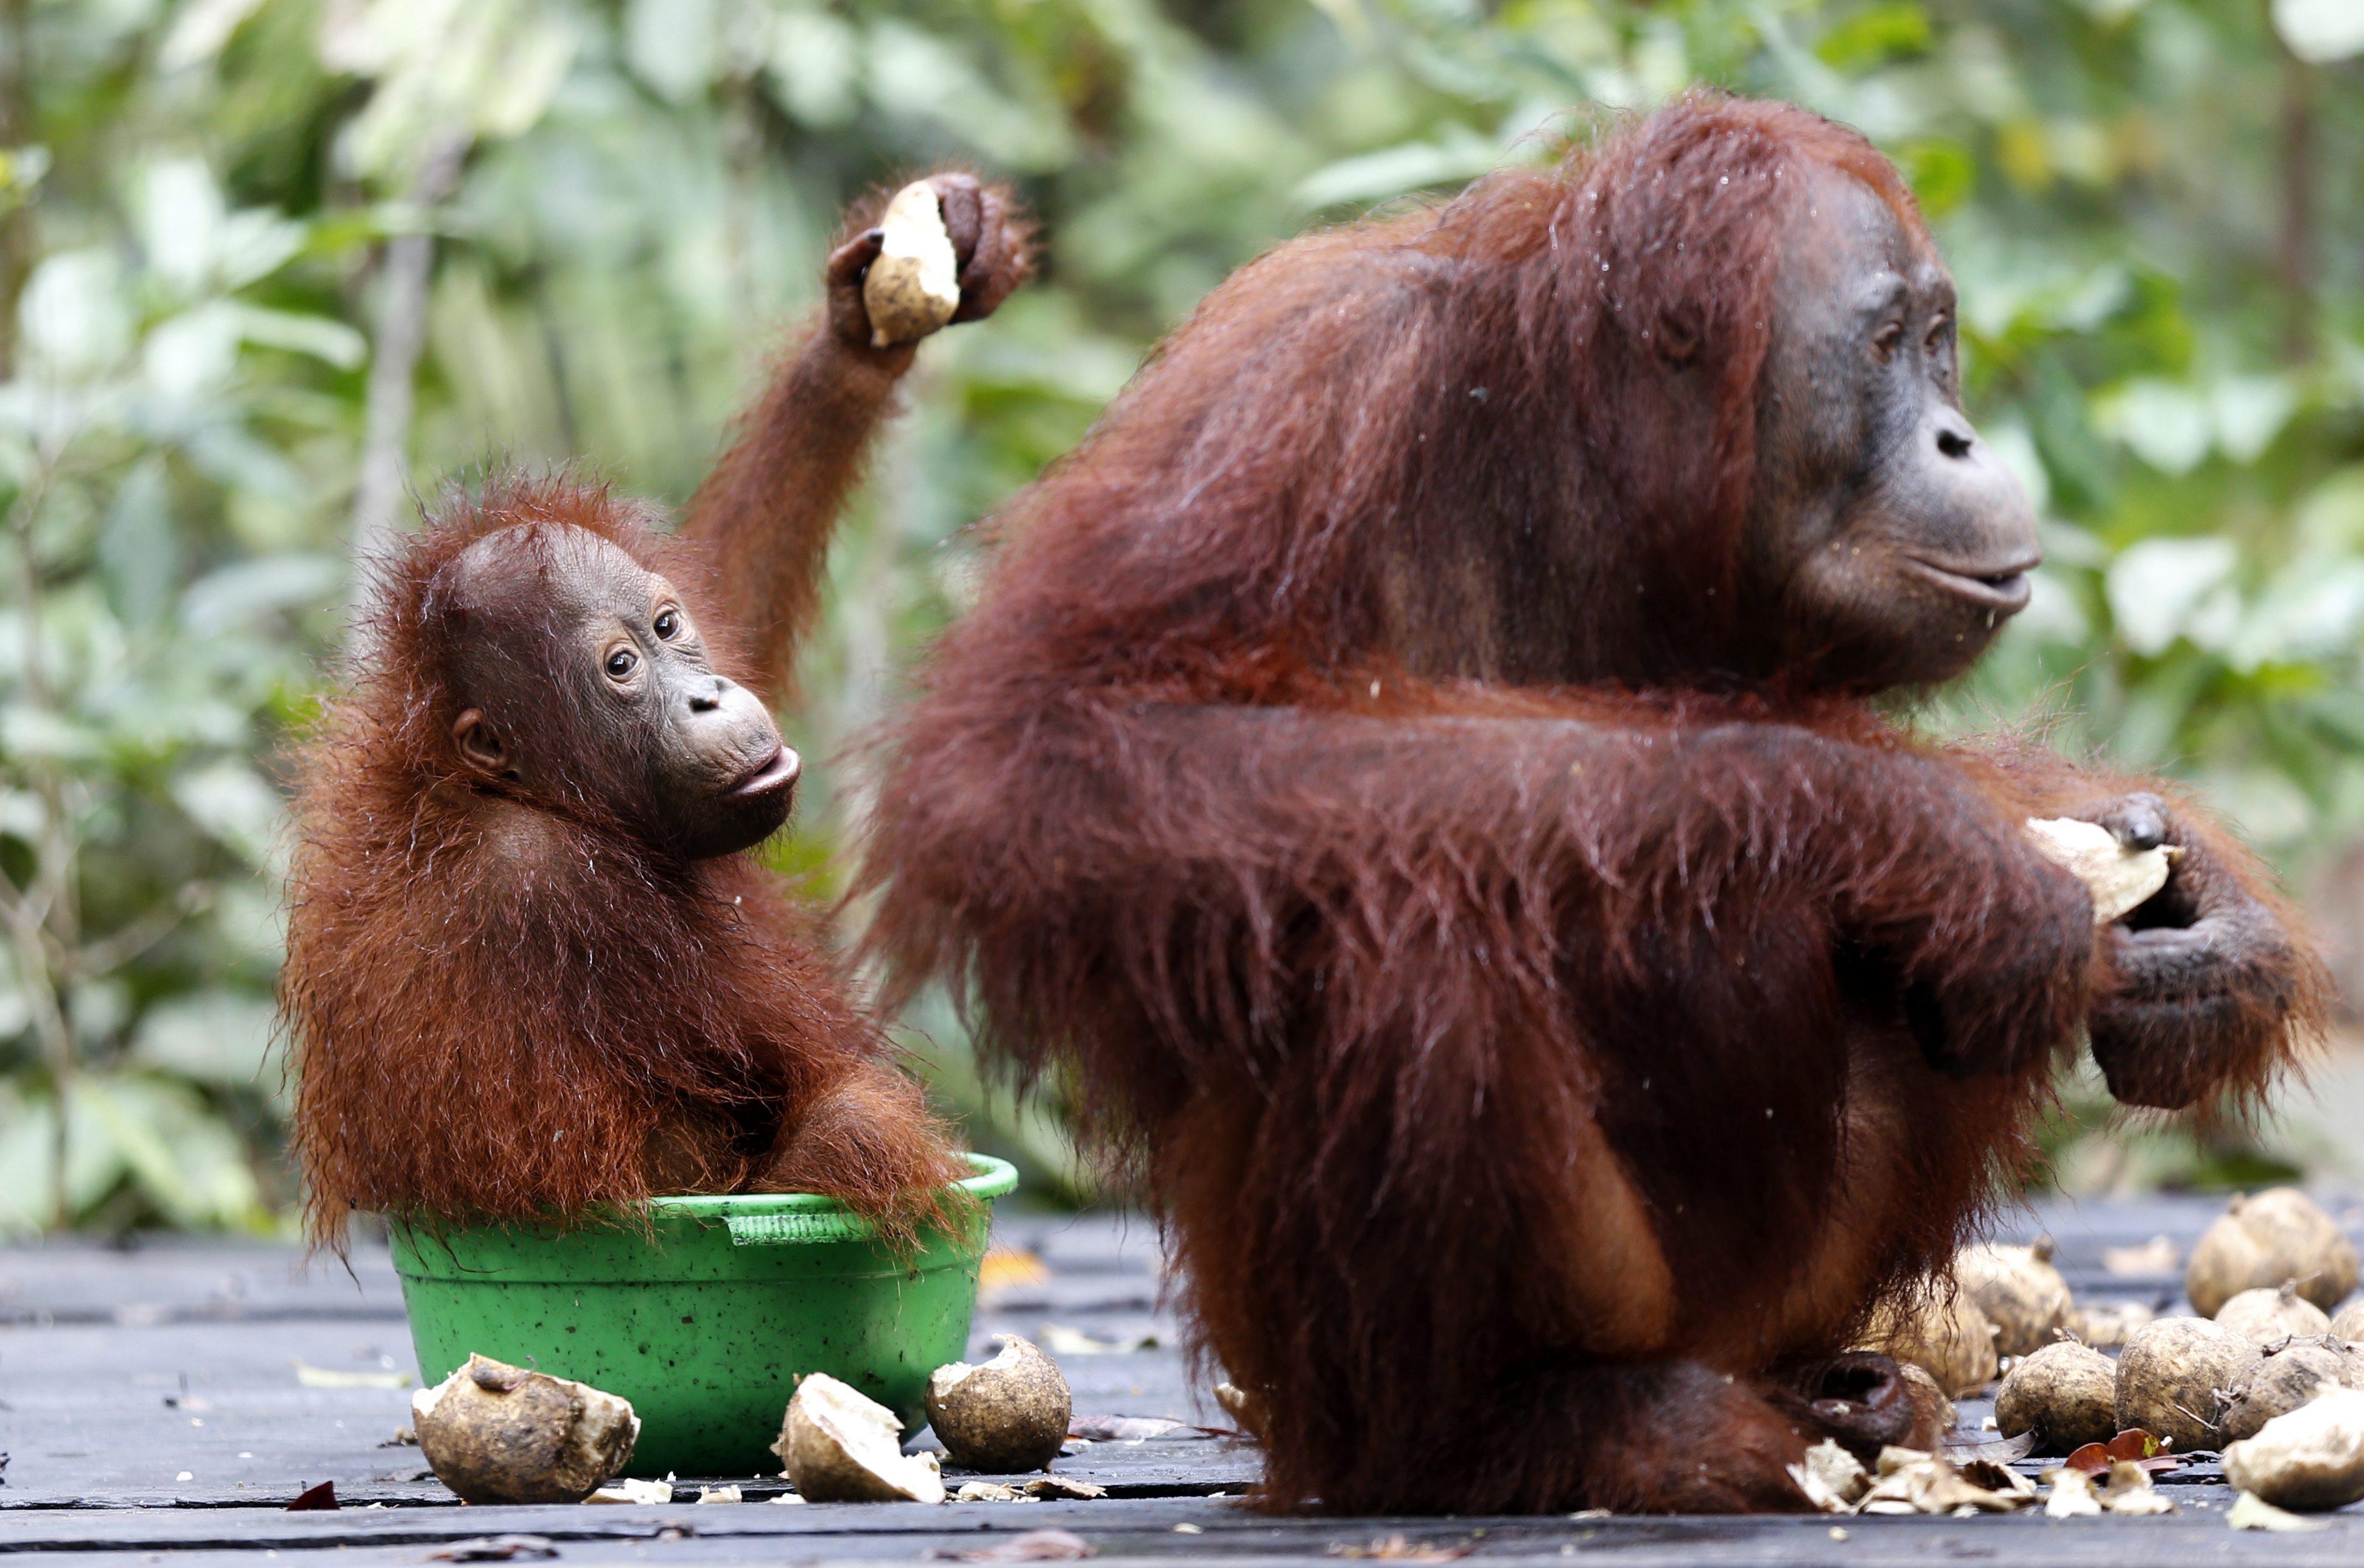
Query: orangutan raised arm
x=767 y=510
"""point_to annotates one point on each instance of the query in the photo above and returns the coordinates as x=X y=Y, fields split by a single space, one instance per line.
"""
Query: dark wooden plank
x=1147 y=1530
x=94 y=1344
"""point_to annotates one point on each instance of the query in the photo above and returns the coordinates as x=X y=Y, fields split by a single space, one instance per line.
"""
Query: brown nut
x=1931 y=1411
x=2106 y=1325
x=2172 y=1375
x=2293 y=1373
x=497 y=1433
x=2265 y=1315
x=2065 y=1393
x=2312 y=1457
x=913 y=285
x=2020 y=1292
x=1944 y=1333
x=2347 y=1323
x=2274 y=1239
x=842 y=1447
x=1007 y=1415
x=2121 y=880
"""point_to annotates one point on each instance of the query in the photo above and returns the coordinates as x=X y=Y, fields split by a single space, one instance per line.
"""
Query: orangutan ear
x=479 y=747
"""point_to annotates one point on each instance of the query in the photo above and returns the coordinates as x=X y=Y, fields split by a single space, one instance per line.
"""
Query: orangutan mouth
x=777 y=772
x=2003 y=588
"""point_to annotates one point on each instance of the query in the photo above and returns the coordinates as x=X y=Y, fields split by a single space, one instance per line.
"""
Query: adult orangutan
x=1413 y=772
x=530 y=968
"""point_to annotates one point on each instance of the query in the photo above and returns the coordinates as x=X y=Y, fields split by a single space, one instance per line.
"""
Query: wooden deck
x=164 y=1404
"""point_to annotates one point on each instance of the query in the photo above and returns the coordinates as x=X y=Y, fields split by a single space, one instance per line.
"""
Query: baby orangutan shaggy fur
x=531 y=967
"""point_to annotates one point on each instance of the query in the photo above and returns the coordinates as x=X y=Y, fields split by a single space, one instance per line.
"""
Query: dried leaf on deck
x=1127 y=1429
x=2250 y=1511
x=639 y=1494
x=1914 y=1482
x=2072 y=1494
x=1033 y=1546
x=496 y=1549
x=1964 y=1450
x=2130 y=1491
x=985 y=1492
x=1063 y=1487
x=1831 y=1478
x=2091 y=1460
x=1394 y=1548
x=1060 y=1341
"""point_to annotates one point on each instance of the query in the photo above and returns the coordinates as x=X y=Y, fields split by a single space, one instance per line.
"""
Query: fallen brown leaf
x=1063 y=1487
x=324 y=1495
x=2092 y=1459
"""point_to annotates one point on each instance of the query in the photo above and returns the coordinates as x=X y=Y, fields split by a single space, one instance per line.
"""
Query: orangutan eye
x=668 y=624
x=1884 y=342
x=620 y=664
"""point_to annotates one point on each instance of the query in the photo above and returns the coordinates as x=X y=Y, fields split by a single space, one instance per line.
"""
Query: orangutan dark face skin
x=1897 y=538
x=702 y=760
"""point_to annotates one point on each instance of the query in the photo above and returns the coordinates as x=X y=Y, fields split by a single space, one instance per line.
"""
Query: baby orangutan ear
x=479 y=747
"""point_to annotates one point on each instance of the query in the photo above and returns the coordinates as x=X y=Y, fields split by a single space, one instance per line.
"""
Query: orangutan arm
x=1203 y=836
x=766 y=512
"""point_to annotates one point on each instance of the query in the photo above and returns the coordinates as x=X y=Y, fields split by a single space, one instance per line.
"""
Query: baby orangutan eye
x=668 y=623
x=620 y=664
x=1883 y=343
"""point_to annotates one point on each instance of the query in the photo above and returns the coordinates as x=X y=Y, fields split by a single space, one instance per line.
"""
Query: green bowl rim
x=995 y=1178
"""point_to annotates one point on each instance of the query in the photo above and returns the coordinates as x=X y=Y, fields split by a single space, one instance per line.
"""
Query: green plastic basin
x=706 y=1321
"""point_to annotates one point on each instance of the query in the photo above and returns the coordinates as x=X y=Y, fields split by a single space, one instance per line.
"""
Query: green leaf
x=1876 y=35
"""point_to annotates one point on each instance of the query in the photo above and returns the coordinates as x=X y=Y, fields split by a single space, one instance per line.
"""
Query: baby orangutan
x=531 y=967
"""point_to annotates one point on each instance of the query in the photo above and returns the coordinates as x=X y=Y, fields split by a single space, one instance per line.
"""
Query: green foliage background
x=2152 y=206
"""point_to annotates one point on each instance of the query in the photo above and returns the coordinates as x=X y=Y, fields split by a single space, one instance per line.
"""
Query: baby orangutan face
x=583 y=684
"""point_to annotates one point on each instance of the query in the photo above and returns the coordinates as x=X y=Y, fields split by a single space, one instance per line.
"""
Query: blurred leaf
x=2169 y=427
x=232 y=803
x=73 y=311
x=1943 y=174
x=183 y=1158
x=137 y=550
x=225 y=597
x=1457 y=156
x=211 y=1036
x=2321 y=30
x=2156 y=587
x=322 y=336
x=1876 y=35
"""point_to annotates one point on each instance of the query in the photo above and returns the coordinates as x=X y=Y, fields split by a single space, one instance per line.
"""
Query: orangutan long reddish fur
x=514 y=1013
x=1457 y=955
